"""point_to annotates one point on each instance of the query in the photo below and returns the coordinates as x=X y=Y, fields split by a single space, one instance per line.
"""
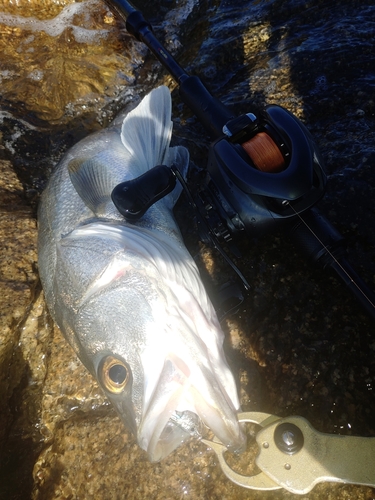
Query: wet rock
x=298 y=345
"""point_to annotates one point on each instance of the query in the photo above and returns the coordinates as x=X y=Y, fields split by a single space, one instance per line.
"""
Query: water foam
x=54 y=27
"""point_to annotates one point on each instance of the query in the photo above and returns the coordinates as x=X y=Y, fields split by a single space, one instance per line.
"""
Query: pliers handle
x=295 y=456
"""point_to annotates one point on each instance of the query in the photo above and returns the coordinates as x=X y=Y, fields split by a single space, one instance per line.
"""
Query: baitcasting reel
x=260 y=172
x=263 y=173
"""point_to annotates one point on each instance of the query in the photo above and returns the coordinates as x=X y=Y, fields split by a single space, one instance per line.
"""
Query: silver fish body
x=128 y=297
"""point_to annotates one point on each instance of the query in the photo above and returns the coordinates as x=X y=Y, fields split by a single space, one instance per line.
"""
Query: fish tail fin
x=146 y=131
x=146 y=134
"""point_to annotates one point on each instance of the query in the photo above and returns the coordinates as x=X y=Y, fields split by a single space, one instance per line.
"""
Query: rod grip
x=212 y=113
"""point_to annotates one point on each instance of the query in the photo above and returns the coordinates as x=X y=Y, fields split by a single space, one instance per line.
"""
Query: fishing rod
x=264 y=172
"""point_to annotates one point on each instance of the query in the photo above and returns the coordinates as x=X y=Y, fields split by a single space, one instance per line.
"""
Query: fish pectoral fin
x=94 y=183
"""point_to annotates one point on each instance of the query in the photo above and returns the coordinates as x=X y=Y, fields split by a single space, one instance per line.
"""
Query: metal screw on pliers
x=288 y=438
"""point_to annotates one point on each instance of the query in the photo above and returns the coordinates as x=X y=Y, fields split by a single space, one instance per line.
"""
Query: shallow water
x=299 y=345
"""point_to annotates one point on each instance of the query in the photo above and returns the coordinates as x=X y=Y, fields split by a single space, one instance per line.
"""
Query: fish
x=128 y=297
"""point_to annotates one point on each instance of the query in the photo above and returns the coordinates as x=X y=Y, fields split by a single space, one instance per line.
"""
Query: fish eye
x=114 y=374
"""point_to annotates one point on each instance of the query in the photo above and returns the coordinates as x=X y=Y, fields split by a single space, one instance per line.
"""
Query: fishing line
x=206 y=228
x=336 y=261
x=239 y=197
x=264 y=153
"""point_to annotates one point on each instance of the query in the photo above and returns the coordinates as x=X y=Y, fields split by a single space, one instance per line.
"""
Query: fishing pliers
x=295 y=456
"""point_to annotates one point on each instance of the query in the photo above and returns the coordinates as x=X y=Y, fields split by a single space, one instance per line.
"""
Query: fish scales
x=128 y=297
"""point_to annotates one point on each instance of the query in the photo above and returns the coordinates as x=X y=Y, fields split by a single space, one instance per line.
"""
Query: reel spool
x=267 y=169
x=254 y=168
x=261 y=148
x=264 y=153
x=258 y=164
x=260 y=173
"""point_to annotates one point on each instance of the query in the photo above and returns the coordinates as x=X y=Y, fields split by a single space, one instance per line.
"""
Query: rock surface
x=298 y=345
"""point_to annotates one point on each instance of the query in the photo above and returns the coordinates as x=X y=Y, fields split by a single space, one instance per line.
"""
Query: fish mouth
x=182 y=404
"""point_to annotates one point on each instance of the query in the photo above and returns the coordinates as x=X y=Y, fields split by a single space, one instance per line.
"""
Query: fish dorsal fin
x=94 y=183
x=146 y=131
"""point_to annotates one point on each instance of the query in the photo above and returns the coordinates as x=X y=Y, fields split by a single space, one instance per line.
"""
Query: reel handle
x=133 y=198
x=250 y=196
